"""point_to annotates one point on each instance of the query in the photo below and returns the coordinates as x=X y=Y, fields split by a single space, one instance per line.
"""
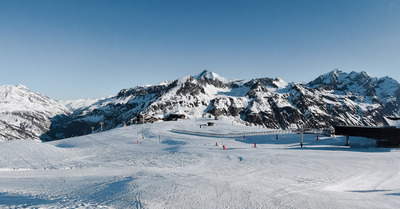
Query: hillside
x=25 y=114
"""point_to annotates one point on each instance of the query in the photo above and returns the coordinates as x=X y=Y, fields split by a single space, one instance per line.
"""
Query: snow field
x=171 y=170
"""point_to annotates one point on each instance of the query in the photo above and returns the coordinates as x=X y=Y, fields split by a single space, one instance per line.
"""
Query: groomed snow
x=171 y=170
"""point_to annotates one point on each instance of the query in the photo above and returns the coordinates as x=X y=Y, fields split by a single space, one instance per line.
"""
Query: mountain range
x=335 y=98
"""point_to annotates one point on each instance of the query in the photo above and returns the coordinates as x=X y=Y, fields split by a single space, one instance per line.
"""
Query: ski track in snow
x=171 y=170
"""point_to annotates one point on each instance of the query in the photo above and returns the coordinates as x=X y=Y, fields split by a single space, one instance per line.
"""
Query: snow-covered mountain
x=335 y=98
x=331 y=99
x=25 y=114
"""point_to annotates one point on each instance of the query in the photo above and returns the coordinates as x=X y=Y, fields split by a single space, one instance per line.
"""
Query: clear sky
x=94 y=48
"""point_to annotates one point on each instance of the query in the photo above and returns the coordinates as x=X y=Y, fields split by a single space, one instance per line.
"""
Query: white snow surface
x=280 y=83
x=80 y=103
x=171 y=170
x=392 y=122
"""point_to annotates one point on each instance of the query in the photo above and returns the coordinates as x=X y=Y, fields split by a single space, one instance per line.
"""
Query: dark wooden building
x=174 y=117
x=388 y=136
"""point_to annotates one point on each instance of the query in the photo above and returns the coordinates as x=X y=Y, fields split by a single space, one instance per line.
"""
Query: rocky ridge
x=335 y=98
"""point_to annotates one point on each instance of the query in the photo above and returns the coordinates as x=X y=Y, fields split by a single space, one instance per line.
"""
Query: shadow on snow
x=310 y=142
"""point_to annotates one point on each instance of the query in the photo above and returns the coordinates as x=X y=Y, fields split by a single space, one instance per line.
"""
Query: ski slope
x=172 y=170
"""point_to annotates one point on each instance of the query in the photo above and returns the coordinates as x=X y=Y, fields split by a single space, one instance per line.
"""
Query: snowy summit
x=210 y=75
x=335 y=98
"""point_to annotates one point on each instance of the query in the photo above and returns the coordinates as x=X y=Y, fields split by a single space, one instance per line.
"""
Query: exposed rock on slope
x=331 y=99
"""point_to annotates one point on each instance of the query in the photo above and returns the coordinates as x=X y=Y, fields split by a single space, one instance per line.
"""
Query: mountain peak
x=336 y=72
x=326 y=79
x=7 y=90
x=20 y=86
x=26 y=114
x=338 y=77
x=209 y=75
x=333 y=75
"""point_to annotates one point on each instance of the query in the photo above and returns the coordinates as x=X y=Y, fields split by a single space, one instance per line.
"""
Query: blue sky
x=94 y=48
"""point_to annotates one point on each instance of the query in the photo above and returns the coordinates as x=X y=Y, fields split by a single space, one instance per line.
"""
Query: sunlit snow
x=172 y=170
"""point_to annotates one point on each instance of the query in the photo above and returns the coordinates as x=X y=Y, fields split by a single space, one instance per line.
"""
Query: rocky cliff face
x=331 y=99
x=335 y=98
